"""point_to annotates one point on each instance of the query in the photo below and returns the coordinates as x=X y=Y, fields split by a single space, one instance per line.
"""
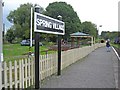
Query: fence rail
x=20 y=74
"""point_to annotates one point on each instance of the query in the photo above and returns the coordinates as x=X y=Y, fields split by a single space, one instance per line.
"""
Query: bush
x=17 y=40
x=48 y=43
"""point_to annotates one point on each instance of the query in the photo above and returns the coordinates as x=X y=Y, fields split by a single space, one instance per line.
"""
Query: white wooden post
x=40 y=69
x=32 y=71
x=91 y=41
x=43 y=68
x=20 y=77
x=22 y=74
x=26 y=73
x=5 y=75
x=47 y=65
x=10 y=74
x=94 y=40
x=29 y=72
x=16 y=73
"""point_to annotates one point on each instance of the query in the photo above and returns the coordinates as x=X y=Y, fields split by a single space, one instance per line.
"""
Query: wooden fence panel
x=22 y=73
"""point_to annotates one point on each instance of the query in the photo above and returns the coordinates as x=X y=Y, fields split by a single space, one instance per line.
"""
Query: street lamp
x=31 y=27
x=1 y=29
x=99 y=30
x=37 y=9
x=30 y=47
x=59 y=17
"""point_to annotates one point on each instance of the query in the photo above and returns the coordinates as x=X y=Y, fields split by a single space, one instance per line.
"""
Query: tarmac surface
x=97 y=70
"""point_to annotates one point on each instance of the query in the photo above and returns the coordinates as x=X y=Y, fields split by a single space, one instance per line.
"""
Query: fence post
x=5 y=75
x=22 y=73
x=10 y=74
x=26 y=71
x=15 y=70
x=29 y=70
x=32 y=71
x=20 y=77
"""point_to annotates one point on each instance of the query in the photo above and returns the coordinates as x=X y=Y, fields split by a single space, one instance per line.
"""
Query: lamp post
x=31 y=27
x=1 y=41
x=99 y=30
x=30 y=47
x=1 y=30
x=59 y=50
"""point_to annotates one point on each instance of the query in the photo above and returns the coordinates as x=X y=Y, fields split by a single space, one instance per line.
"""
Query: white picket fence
x=20 y=74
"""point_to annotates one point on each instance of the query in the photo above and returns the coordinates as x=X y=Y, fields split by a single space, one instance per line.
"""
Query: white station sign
x=47 y=24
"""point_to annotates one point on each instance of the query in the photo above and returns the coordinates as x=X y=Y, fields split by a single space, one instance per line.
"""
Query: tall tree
x=89 y=28
x=110 y=35
x=69 y=16
x=10 y=36
x=21 y=20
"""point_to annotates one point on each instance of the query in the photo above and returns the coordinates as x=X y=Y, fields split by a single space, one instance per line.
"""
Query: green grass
x=116 y=45
x=16 y=51
x=13 y=52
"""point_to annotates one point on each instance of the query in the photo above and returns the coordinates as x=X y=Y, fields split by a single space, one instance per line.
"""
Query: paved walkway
x=97 y=70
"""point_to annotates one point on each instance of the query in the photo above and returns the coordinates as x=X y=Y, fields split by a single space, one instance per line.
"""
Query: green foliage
x=48 y=43
x=116 y=45
x=110 y=35
x=89 y=28
x=10 y=36
x=69 y=16
x=21 y=20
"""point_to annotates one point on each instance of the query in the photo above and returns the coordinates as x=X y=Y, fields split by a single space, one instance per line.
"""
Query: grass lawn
x=116 y=45
x=13 y=52
x=16 y=51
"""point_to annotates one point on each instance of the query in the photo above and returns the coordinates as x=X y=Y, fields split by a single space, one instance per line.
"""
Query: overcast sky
x=99 y=12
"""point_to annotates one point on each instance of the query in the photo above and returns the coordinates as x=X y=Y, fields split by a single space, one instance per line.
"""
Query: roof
x=79 y=34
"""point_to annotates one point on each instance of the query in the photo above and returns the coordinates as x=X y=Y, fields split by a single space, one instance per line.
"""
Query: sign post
x=59 y=55
x=37 y=35
x=59 y=51
x=46 y=24
x=37 y=60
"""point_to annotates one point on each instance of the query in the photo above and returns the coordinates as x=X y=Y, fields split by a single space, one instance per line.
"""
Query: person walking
x=108 y=45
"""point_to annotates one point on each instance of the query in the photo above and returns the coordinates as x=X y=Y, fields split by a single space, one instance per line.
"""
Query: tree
x=21 y=20
x=69 y=16
x=10 y=36
x=110 y=35
x=89 y=28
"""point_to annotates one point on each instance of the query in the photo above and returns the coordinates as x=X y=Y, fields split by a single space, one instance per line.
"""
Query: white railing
x=20 y=74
